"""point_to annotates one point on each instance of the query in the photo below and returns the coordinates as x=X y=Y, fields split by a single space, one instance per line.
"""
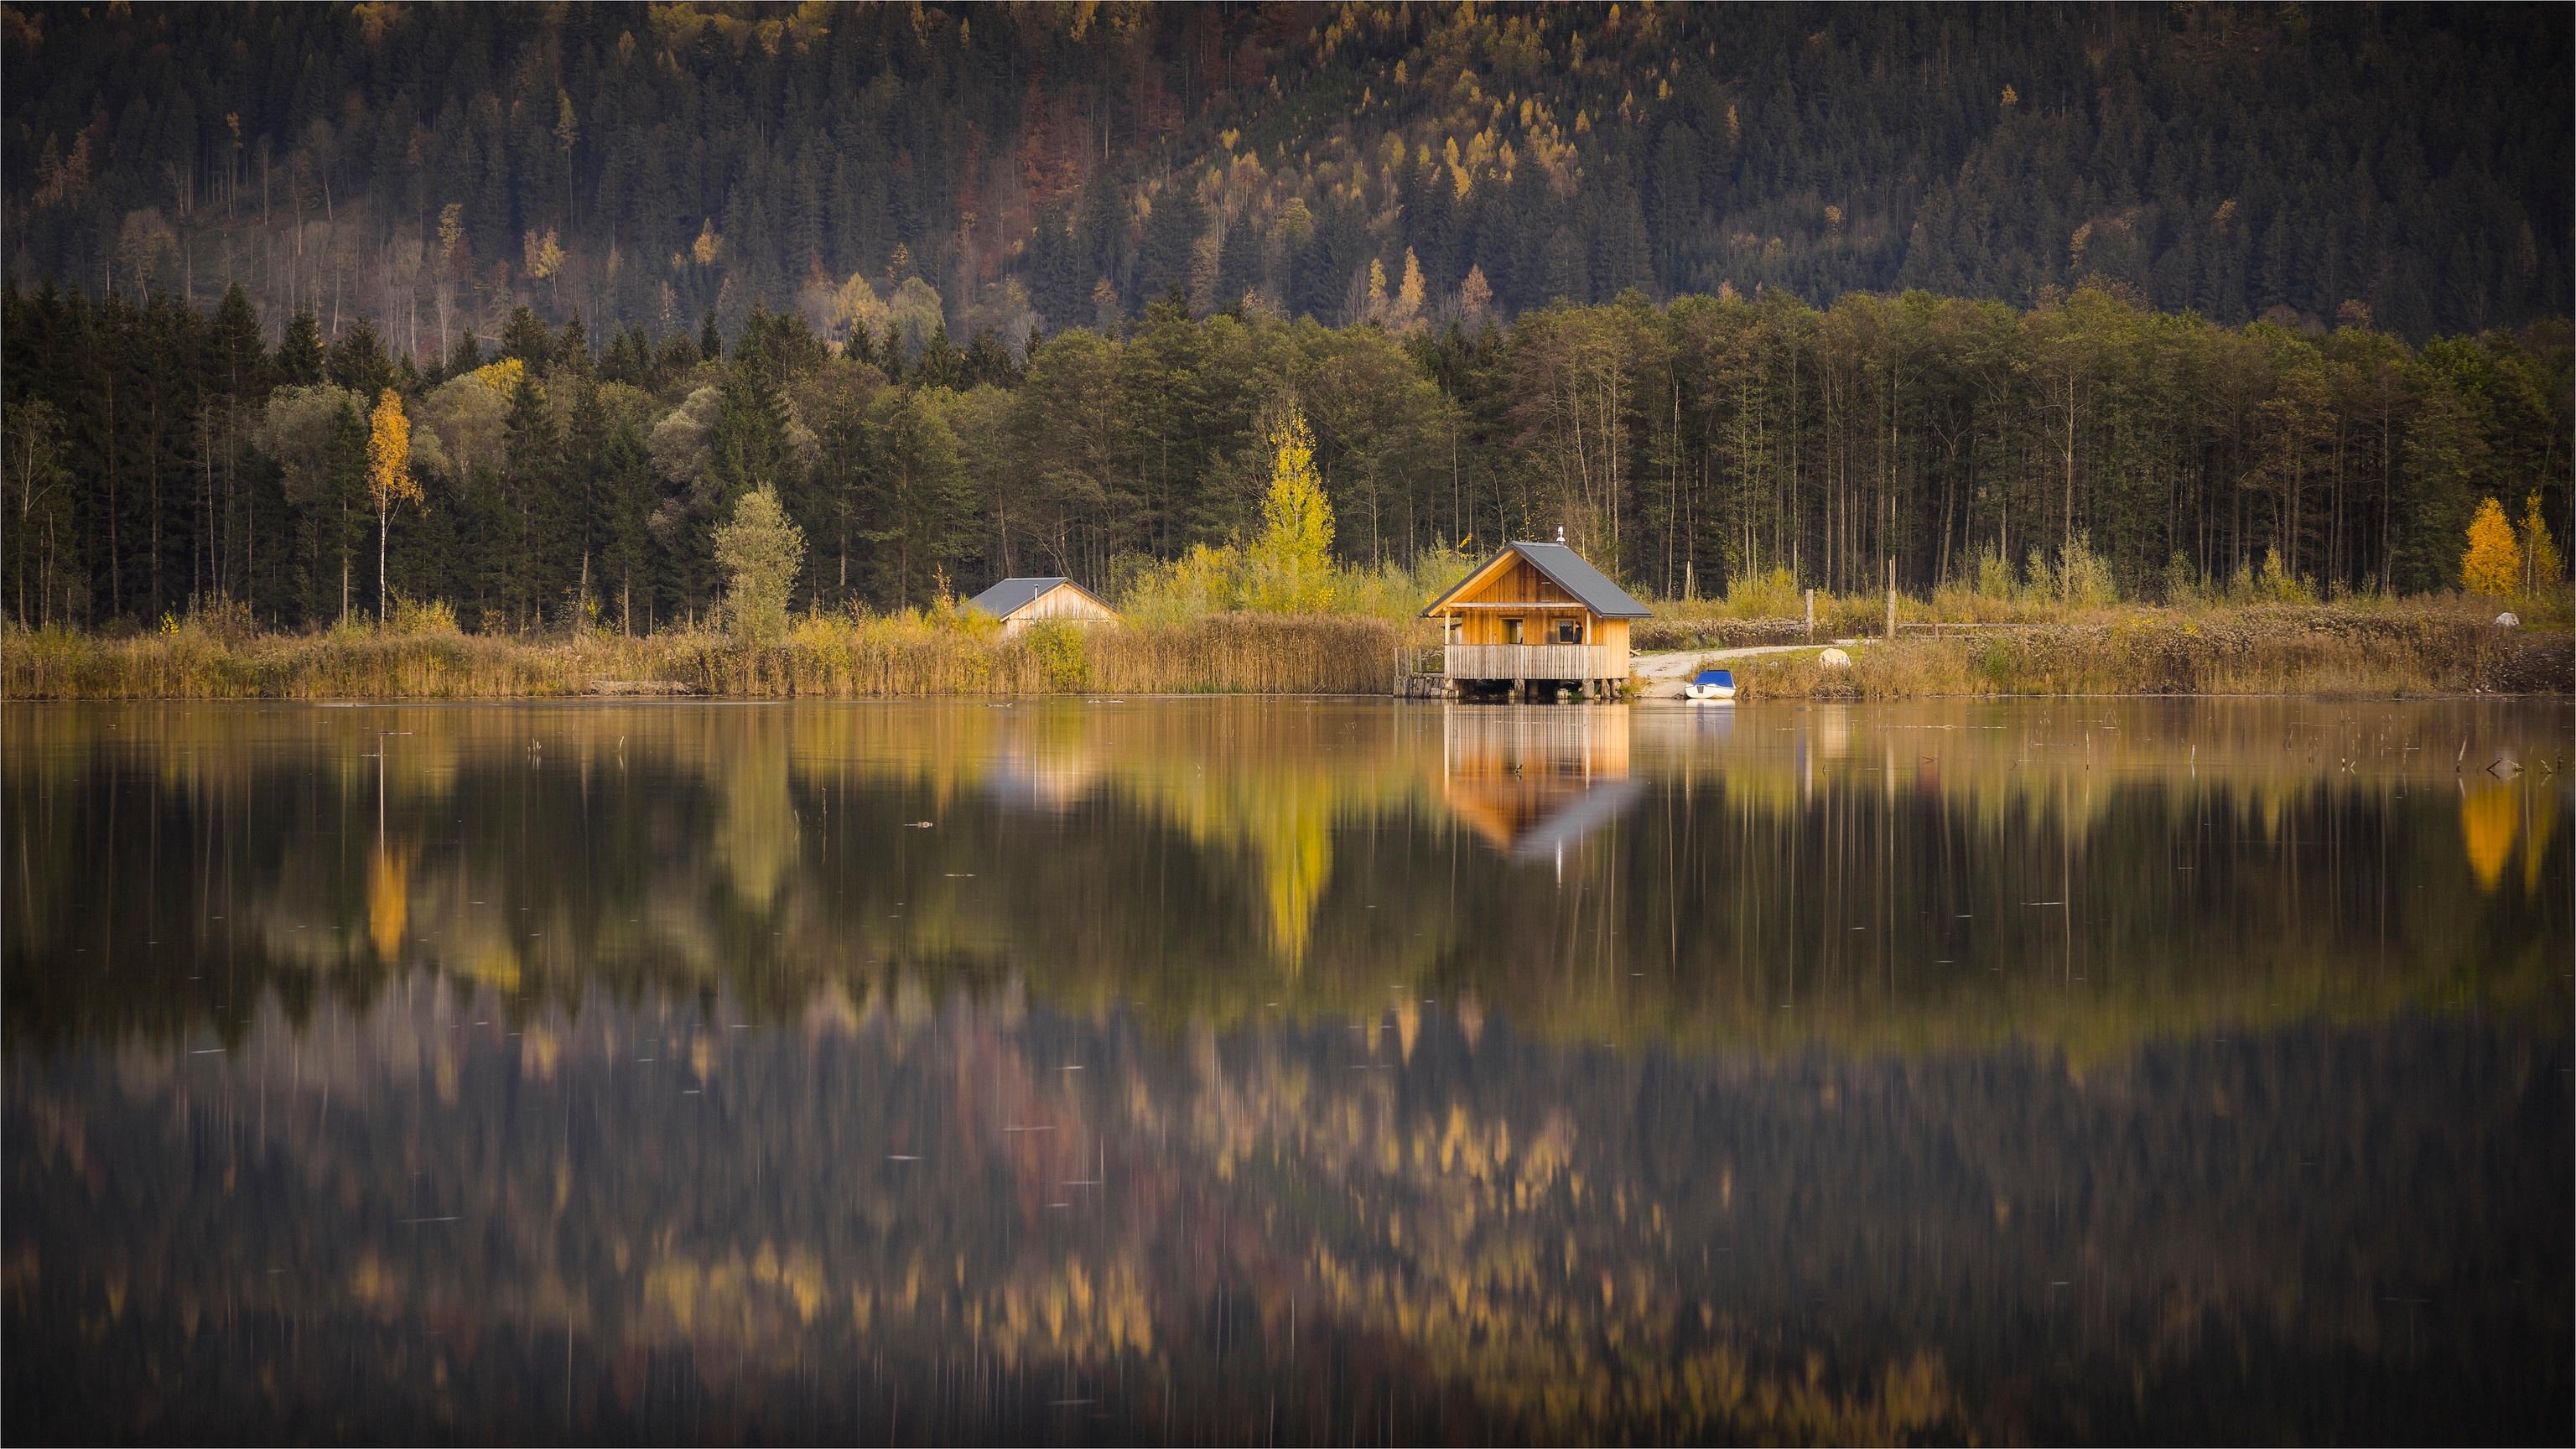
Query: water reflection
x=1534 y=781
x=1222 y=1069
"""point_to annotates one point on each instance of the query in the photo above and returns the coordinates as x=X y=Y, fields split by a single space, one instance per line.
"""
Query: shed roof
x=1572 y=573
x=1010 y=596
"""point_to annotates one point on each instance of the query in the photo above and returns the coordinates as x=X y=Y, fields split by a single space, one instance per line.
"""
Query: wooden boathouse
x=1535 y=616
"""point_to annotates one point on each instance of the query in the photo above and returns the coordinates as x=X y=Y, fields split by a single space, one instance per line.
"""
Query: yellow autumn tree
x=543 y=253
x=1404 y=314
x=2541 y=565
x=1475 y=295
x=1292 y=560
x=2493 y=563
x=389 y=481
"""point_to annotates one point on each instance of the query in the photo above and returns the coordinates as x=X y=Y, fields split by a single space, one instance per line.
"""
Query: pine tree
x=626 y=486
x=526 y=338
x=529 y=482
x=357 y=361
x=940 y=364
x=572 y=348
x=987 y=363
x=299 y=352
x=465 y=356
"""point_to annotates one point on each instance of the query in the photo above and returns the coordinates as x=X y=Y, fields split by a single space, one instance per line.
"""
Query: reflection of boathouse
x=1534 y=781
x=1045 y=760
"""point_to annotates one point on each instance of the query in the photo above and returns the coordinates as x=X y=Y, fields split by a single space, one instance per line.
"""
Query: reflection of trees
x=1733 y=1127
x=1910 y=880
x=907 y=1214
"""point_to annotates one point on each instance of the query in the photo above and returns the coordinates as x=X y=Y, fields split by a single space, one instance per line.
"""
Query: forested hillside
x=158 y=455
x=1037 y=167
x=523 y=300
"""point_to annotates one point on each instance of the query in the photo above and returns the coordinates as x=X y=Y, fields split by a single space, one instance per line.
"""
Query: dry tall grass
x=818 y=657
x=2328 y=651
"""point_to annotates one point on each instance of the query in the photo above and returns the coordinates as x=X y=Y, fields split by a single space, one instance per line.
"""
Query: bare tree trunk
x=115 y=557
x=152 y=458
x=2069 y=535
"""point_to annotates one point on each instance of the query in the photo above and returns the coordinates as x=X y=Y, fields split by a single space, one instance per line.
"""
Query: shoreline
x=2325 y=652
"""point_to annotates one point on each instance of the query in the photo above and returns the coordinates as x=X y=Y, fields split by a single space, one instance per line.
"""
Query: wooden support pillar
x=1891 y=598
x=1811 y=613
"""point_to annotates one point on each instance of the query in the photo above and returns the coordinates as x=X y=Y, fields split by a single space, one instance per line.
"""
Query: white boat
x=1711 y=684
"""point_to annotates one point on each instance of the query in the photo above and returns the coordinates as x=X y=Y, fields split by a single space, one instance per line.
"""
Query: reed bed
x=817 y=657
x=2324 y=651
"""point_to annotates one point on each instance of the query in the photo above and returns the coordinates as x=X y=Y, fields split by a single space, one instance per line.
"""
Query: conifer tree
x=299 y=352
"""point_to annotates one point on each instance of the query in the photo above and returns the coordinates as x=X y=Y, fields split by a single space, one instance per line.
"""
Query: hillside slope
x=1040 y=167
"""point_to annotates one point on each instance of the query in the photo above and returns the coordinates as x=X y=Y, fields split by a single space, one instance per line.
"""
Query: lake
x=1285 y=1069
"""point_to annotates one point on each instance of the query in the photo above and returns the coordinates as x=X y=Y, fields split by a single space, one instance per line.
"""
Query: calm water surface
x=1249 y=1069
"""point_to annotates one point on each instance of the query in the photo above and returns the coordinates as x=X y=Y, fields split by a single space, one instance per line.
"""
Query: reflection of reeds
x=1225 y=653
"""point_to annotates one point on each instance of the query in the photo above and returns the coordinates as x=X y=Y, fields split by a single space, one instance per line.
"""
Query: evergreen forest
x=1723 y=292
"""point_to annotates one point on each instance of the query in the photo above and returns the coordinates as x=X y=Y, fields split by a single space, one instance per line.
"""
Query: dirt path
x=1661 y=675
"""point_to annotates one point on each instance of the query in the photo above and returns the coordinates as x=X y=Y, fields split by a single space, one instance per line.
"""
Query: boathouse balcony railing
x=1532 y=661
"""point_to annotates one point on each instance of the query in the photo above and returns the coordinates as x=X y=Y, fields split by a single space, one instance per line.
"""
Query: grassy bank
x=818 y=657
x=2325 y=650
x=2414 y=647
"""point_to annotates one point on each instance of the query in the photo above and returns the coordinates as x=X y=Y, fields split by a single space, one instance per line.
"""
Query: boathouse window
x=1569 y=631
x=1511 y=631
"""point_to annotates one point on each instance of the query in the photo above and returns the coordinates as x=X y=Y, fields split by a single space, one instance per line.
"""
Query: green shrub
x=1774 y=593
x=2182 y=581
x=417 y=618
x=1060 y=654
x=1994 y=573
x=2084 y=577
x=2277 y=585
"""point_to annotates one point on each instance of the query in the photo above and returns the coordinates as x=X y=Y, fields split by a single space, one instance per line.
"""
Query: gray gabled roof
x=1577 y=818
x=1572 y=573
x=1010 y=596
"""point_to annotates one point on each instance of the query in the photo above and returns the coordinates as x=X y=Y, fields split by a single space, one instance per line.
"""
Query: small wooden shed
x=1535 y=613
x=1018 y=603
